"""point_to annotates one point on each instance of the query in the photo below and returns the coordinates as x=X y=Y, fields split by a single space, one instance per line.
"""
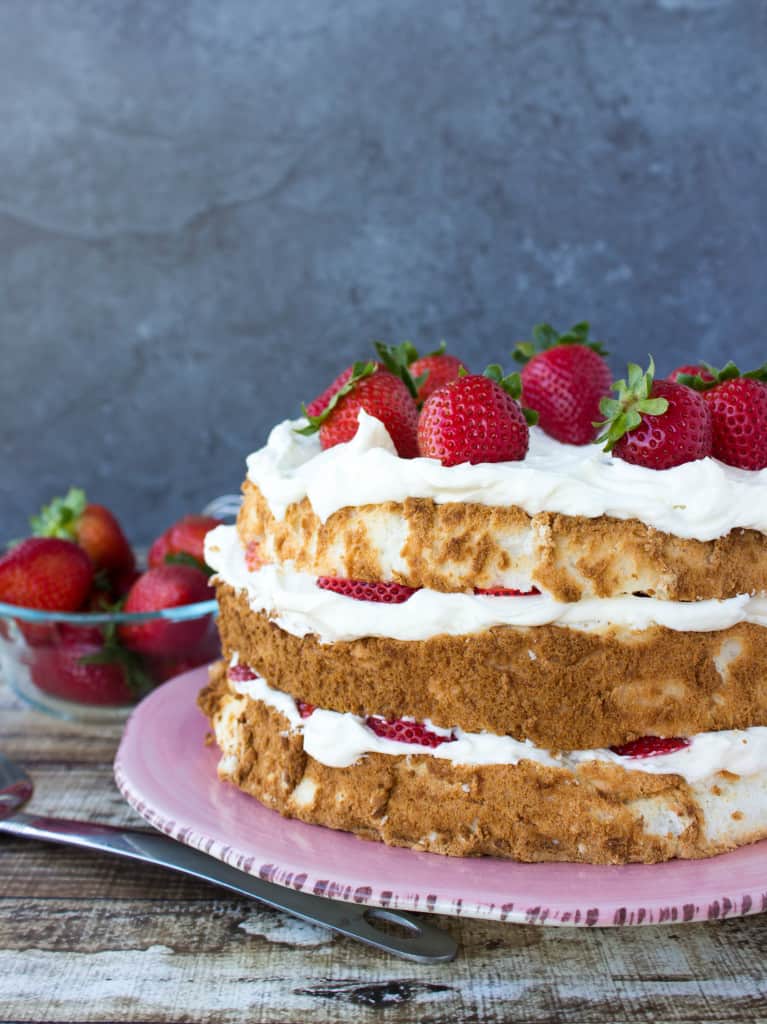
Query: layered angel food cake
x=555 y=656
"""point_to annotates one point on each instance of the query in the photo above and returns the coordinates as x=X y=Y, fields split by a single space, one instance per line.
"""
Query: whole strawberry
x=737 y=403
x=739 y=417
x=422 y=374
x=655 y=423
x=183 y=542
x=564 y=381
x=475 y=418
x=84 y=672
x=380 y=394
x=318 y=405
x=46 y=573
x=167 y=586
x=91 y=526
x=690 y=370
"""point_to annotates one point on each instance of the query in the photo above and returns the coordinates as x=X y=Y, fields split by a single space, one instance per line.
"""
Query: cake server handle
x=413 y=939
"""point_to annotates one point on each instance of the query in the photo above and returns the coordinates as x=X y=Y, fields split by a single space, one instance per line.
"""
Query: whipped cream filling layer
x=295 y=603
x=338 y=740
x=703 y=500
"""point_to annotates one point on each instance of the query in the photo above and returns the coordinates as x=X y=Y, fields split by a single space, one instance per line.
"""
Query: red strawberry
x=384 y=396
x=46 y=573
x=651 y=746
x=380 y=394
x=305 y=710
x=406 y=732
x=81 y=675
x=319 y=404
x=362 y=590
x=159 y=549
x=474 y=419
x=43 y=665
x=241 y=673
x=440 y=368
x=168 y=586
x=739 y=420
x=183 y=542
x=68 y=634
x=505 y=592
x=565 y=381
x=690 y=370
x=655 y=424
x=99 y=533
x=91 y=526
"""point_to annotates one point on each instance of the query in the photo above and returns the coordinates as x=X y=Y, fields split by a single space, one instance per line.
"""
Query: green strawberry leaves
x=184 y=558
x=360 y=371
x=625 y=412
x=546 y=337
x=60 y=517
x=512 y=385
x=397 y=360
x=137 y=679
x=728 y=372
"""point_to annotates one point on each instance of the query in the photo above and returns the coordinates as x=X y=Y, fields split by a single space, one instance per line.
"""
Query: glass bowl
x=88 y=667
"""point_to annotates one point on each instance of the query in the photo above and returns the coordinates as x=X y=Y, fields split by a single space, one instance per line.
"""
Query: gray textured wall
x=208 y=208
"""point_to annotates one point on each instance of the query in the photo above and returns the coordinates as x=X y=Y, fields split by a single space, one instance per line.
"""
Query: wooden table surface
x=85 y=937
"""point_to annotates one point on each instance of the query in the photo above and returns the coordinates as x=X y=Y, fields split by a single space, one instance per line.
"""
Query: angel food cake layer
x=639 y=611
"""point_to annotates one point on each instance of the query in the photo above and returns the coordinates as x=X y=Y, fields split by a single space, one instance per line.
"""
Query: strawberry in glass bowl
x=84 y=633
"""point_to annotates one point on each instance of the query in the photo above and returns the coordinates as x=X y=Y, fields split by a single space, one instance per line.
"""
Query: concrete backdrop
x=207 y=209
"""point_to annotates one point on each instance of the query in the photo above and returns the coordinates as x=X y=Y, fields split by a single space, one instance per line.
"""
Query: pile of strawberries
x=78 y=560
x=433 y=407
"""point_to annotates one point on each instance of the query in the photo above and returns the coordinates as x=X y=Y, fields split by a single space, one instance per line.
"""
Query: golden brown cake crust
x=527 y=811
x=457 y=546
x=561 y=688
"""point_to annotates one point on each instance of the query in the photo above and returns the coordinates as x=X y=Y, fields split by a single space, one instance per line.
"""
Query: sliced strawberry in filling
x=304 y=709
x=505 y=592
x=651 y=746
x=406 y=732
x=241 y=673
x=253 y=559
x=364 y=590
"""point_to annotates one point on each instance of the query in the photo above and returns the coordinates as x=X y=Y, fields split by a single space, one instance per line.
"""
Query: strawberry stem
x=60 y=517
x=397 y=360
x=184 y=558
x=137 y=679
x=624 y=413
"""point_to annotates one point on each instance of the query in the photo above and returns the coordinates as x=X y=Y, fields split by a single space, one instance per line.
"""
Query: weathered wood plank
x=42 y=870
x=34 y=737
x=169 y=961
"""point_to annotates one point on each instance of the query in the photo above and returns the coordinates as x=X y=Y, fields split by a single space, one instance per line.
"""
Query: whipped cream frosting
x=295 y=603
x=340 y=739
x=704 y=499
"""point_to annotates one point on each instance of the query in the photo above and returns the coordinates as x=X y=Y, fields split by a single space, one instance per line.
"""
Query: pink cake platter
x=167 y=773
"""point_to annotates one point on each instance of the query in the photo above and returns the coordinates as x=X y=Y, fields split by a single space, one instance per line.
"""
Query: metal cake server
x=411 y=938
